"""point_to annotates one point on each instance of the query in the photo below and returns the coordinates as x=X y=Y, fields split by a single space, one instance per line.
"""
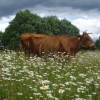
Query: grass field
x=50 y=78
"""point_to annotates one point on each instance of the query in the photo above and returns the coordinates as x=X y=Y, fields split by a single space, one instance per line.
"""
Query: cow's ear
x=79 y=37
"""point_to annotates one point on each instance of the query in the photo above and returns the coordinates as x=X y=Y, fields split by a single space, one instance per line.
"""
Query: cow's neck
x=81 y=46
x=78 y=44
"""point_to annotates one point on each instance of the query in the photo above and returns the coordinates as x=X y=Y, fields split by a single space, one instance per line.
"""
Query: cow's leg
x=40 y=50
x=30 y=53
x=73 y=52
x=70 y=53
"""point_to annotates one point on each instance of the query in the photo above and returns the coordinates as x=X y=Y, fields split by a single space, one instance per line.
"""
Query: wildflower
x=81 y=89
x=73 y=78
x=89 y=80
x=82 y=75
x=54 y=85
x=45 y=82
x=97 y=85
x=49 y=95
x=31 y=97
x=67 y=83
x=79 y=99
x=44 y=87
x=61 y=91
x=38 y=94
x=94 y=93
x=19 y=94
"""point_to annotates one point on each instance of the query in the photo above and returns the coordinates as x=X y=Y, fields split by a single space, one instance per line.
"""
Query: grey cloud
x=8 y=7
x=77 y=4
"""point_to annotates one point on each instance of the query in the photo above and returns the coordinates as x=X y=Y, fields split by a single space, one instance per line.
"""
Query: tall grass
x=50 y=78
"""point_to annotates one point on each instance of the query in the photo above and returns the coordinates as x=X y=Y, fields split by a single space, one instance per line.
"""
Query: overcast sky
x=85 y=14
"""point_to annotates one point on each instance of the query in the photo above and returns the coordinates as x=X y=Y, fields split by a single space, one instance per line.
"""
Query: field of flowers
x=50 y=78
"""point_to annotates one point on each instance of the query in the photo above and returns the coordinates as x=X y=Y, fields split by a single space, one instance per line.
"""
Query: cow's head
x=86 y=42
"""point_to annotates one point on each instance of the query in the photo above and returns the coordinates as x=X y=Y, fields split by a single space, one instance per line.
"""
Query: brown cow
x=38 y=43
x=52 y=43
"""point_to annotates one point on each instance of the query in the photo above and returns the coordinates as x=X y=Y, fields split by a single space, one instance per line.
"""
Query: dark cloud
x=8 y=7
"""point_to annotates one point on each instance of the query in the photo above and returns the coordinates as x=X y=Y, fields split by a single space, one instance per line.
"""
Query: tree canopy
x=25 y=21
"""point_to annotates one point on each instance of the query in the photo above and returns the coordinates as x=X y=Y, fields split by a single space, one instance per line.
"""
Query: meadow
x=49 y=78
